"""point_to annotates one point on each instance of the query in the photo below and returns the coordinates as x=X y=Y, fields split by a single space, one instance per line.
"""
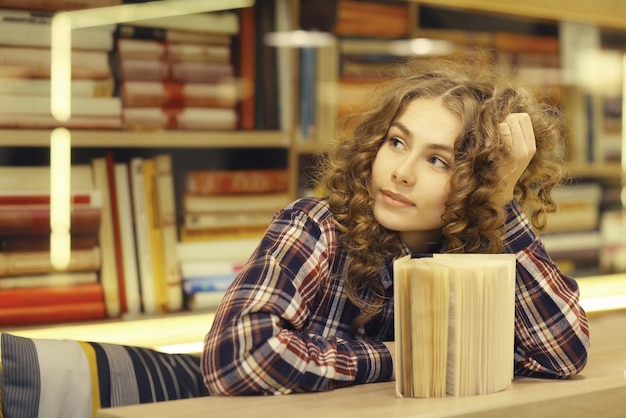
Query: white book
x=454 y=324
x=215 y=22
x=37 y=178
x=42 y=87
x=28 y=34
x=87 y=106
x=129 y=248
x=142 y=236
x=195 y=220
x=233 y=249
x=108 y=268
x=166 y=206
x=48 y=279
x=242 y=203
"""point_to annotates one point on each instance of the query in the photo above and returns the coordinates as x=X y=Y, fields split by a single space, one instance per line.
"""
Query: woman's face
x=411 y=172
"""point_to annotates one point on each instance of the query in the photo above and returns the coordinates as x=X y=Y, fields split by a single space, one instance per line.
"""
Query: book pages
x=454 y=324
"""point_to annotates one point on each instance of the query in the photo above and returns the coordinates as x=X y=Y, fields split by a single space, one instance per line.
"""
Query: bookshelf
x=603 y=13
x=255 y=142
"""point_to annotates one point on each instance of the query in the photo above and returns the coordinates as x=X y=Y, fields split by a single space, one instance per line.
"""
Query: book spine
x=34 y=34
x=217 y=234
x=127 y=242
x=142 y=237
x=155 y=234
x=28 y=198
x=238 y=203
x=167 y=217
x=237 y=249
x=171 y=35
x=137 y=93
x=108 y=270
x=48 y=280
x=84 y=106
x=180 y=118
x=20 y=121
x=50 y=314
x=224 y=22
x=35 y=62
x=220 y=182
x=185 y=71
x=115 y=223
x=227 y=220
x=50 y=295
x=169 y=51
x=36 y=179
x=209 y=283
x=35 y=220
x=56 y=5
x=42 y=242
x=37 y=262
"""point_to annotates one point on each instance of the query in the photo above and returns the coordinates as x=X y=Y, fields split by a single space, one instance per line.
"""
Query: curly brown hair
x=481 y=94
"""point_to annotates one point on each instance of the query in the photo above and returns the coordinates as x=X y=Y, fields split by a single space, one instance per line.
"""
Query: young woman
x=450 y=157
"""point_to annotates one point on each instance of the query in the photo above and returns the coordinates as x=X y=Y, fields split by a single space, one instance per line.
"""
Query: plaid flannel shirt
x=284 y=324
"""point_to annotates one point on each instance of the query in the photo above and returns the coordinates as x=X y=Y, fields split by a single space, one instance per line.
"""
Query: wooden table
x=600 y=391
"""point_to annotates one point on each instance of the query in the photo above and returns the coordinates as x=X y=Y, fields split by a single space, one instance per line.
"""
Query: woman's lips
x=396 y=200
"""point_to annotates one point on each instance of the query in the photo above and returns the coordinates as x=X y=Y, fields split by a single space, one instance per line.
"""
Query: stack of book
x=31 y=289
x=208 y=268
x=365 y=29
x=225 y=213
x=573 y=235
x=25 y=54
x=226 y=203
x=178 y=73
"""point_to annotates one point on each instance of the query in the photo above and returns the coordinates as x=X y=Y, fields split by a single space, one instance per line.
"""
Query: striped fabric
x=72 y=379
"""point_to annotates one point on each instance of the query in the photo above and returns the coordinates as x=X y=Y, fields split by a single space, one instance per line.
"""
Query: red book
x=119 y=259
x=52 y=295
x=217 y=182
x=35 y=220
x=42 y=242
x=13 y=197
x=48 y=314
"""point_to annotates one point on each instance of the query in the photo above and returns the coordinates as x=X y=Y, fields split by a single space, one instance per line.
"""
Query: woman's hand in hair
x=516 y=132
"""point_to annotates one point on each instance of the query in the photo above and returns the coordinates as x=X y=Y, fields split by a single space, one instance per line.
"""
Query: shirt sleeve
x=551 y=328
x=258 y=343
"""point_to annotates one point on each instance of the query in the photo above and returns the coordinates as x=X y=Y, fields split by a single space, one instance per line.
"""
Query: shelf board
x=149 y=139
x=312 y=147
x=157 y=332
x=610 y=171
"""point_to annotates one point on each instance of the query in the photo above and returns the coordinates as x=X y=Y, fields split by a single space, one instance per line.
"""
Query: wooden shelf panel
x=608 y=13
x=597 y=171
x=150 y=139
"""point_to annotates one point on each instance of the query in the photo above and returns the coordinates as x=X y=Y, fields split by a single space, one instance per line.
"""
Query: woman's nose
x=404 y=174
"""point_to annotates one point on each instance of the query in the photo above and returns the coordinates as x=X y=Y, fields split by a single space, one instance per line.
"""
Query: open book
x=454 y=324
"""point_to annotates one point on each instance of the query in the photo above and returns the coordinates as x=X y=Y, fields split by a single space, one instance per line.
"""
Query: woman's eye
x=438 y=162
x=396 y=142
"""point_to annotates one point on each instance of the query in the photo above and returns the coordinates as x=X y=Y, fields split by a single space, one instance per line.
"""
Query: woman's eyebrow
x=408 y=133
x=441 y=147
x=402 y=127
